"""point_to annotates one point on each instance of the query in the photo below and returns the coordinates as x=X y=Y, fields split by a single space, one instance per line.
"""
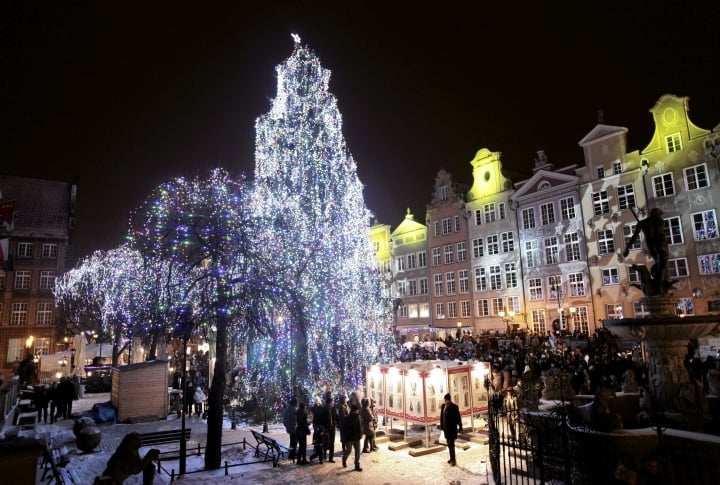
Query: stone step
x=401 y=445
x=426 y=451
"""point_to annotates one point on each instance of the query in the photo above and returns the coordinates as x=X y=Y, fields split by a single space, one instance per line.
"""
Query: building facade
x=35 y=233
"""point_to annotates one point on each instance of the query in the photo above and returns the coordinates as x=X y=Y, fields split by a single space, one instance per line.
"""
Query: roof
x=40 y=206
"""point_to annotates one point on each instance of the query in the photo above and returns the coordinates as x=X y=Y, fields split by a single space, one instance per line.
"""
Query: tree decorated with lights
x=100 y=294
x=204 y=230
x=317 y=236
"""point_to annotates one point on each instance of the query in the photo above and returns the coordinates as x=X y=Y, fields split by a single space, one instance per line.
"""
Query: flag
x=7 y=207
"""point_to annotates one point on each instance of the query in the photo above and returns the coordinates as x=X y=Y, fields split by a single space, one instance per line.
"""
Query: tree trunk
x=213 y=454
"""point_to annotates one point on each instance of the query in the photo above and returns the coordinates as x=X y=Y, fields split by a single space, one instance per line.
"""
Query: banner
x=4 y=248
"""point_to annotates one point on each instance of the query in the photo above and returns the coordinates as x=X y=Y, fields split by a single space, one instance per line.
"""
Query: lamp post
x=507 y=318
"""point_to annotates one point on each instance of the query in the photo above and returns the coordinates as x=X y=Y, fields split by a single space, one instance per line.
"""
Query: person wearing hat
x=450 y=423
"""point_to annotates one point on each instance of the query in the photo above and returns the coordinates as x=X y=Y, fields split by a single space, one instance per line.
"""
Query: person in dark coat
x=369 y=423
x=342 y=409
x=290 y=422
x=302 y=432
x=450 y=423
x=41 y=403
x=350 y=434
x=54 y=399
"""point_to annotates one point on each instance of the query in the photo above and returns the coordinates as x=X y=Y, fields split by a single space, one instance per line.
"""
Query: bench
x=59 y=470
x=270 y=448
x=164 y=437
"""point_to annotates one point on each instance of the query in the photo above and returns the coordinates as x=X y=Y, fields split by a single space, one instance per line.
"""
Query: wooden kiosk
x=140 y=391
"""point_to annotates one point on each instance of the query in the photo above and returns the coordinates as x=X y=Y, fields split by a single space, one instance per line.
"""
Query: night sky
x=127 y=95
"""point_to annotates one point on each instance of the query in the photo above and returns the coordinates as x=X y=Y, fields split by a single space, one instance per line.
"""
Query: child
x=321 y=442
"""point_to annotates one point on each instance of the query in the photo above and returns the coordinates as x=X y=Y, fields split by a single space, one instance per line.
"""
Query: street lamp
x=507 y=318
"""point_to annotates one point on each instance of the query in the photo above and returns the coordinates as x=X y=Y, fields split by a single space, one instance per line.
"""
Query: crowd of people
x=353 y=417
x=58 y=396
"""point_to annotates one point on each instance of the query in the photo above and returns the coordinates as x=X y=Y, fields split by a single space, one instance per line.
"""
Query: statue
x=655 y=281
x=126 y=461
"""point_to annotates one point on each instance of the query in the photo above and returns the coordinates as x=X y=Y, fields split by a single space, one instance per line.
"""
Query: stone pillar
x=666 y=370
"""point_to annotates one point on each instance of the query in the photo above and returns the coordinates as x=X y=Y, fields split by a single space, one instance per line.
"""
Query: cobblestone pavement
x=382 y=467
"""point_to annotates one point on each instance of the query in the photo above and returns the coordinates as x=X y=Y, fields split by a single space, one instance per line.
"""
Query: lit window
x=705 y=225
x=16 y=349
x=567 y=208
x=685 y=306
x=709 y=263
x=610 y=276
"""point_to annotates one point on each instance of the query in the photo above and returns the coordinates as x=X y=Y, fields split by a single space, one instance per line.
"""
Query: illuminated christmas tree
x=308 y=191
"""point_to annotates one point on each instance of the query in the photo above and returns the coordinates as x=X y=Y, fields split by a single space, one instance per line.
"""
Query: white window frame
x=696 y=177
x=528 y=218
x=49 y=251
x=547 y=213
x=705 y=225
x=567 y=208
x=605 y=241
x=23 y=279
x=663 y=185
x=610 y=276
x=601 y=202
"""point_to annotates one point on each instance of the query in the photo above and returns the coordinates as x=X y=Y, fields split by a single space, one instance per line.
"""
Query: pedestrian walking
x=350 y=434
x=451 y=423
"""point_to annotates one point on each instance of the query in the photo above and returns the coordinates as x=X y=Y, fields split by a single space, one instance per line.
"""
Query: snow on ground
x=382 y=467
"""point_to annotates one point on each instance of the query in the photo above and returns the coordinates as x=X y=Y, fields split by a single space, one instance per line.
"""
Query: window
x=495 y=278
x=457 y=223
x=386 y=266
x=47 y=280
x=444 y=192
x=452 y=309
x=626 y=196
x=403 y=311
x=705 y=225
x=678 y=268
x=528 y=218
x=685 y=306
x=450 y=283
x=709 y=263
x=501 y=211
x=641 y=310
x=498 y=305
x=572 y=246
x=601 y=202
x=614 y=311
x=567 y=208
x=628 y=230
x=44 y=313
x=493 y=245
x=617 y=167
x=696 y=177
x=547 y=213
x=448 y=254
x=538 y=321
x=581 y=320
x=2 y=281
x=480 y=279
x=439 y=311
x=423 y=286
x=19 y=314
x=606 y=244
x=508 y=242
x=673 y=230
x=412 y=310
x=446 y=227
x=462 y=251
x=551 y=250
x=422 y=259
x=663 y=185
x=483 y=308
x=22 y=280
x=532 y=253
x=478 y=217
x=438 y=284
x=24 y=250
x=465 y=311
x=490 y=213
x=412 y=287
x=436 y=228
x=610 y=276
x=401 y=288
x=535 y=289
x=49 y=251
x=601 y=172
x=436 y=256
x=513 y=303
x=511 y=279
x=400 y=264
x=16 y=349
x=411 y=261
x=464 y=281
x=673 y=143
x=42 y=346
x=424 y=310
x=576 y=283
x=555 y=287
x=477 y=247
